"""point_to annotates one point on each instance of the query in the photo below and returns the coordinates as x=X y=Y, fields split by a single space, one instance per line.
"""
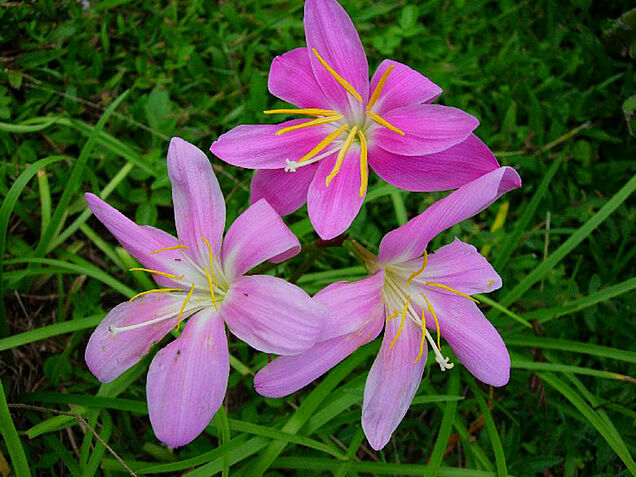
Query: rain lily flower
x=408 y=292
x=202 y=277
x=388 y=124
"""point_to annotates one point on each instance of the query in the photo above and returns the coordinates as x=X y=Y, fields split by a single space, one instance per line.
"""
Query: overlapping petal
x=404 y=87
x=444 y=170
x=187 y=380
x=410 y=240
x=428 y=128
x=199 y=207
x=292 y=79
x=272 y=315
x=332 y=209
x=286 y=192
x=258 y=234
x=392 y=382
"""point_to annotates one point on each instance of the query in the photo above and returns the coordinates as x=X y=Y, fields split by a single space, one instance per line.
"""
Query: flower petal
x=331 y=32
x=292 y=79
x=404 y=87
x=410 y=240
x=142 y=242
x=428 y=128
x=187 y=380
x=392 y=382
x=288 y=374
x=332 y=209
x=460 y=266
x=110 y=353
x=258 y=146
x=258 y=234
x=444 y=170
x=286 y=192
x=350 y=305
x=473 y=339
x=199 y=208
x=272 y=315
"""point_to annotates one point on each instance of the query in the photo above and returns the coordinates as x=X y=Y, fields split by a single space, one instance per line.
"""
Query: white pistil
x=293 y=166
x=444 y=363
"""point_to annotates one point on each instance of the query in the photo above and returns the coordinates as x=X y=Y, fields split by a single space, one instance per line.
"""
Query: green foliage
x=89 y=97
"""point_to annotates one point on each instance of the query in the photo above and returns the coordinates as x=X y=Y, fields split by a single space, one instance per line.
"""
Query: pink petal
x=110 y=353
x=288 y=374
x=332 y=209
x=350 y=305
x=475 y=342
x=444 y=170
x=392 y=382
x=272 y=315
x=187 y=380
x=410 y=240
x=404 y=87
x=285 y=191
x=292 y=79
x=199 y=208
x=258 y=234
x=460 y=266
x=258 y=146
x=331 y=32
x=142 y=241
x=428 y=128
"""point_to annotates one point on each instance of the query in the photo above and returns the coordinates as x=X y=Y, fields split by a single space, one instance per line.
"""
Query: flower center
x=334 y=119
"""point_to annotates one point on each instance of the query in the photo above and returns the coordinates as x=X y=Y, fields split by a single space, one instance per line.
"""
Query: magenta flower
x=203 y=277
x=388 y=124
x=409 y=292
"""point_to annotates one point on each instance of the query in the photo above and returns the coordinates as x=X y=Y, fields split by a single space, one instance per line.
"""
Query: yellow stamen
x=423 y=339
x=452 y=290
x=395 y=314
x=419 y=270
x=432 y=312
x=379 y=87
x=163 y=274
x=383 y=122
x=343 y=82
x=402 y=320
x=341 y=155
x=324 y=143
x=307 y=111
x=165 y=249
x=209 y=279
x=308 y=124
x=364 y=173
x=185 y=302
x=156 y=290
x=211 y=258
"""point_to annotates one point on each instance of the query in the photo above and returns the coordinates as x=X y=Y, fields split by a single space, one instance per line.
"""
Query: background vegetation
x=551 y=82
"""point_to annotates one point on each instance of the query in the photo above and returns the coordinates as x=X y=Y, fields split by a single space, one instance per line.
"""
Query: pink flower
x=202 y=277
x=409 y=292
x=389 y=123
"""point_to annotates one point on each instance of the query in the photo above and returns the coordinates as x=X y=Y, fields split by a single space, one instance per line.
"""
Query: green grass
x=89 y=98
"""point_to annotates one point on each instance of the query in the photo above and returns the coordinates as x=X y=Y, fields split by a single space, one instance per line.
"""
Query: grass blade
x=11 y=439
x=445 y=428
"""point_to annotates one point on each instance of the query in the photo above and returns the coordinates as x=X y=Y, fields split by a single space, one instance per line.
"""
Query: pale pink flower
x=388 y=124
x=202 y=277
x=407 y=294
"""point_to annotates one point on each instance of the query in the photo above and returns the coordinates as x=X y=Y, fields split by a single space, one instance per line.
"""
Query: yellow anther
x=432 y=312
x=364 y=173
x=211 y=258
x=163 y=274
x=423 y=339
x=452 y=290
x=341 y=155
x=156 y=290
x=185 y=302
x=308 y=124
x=419 y=270
x=306 y=111
x=490 y=283
x=324 y=143
x=212 y=295
x=378 y=88
x=395 y=314
x=383 y=122
x=165 y=249
x=343 y=82
x=402 y=320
